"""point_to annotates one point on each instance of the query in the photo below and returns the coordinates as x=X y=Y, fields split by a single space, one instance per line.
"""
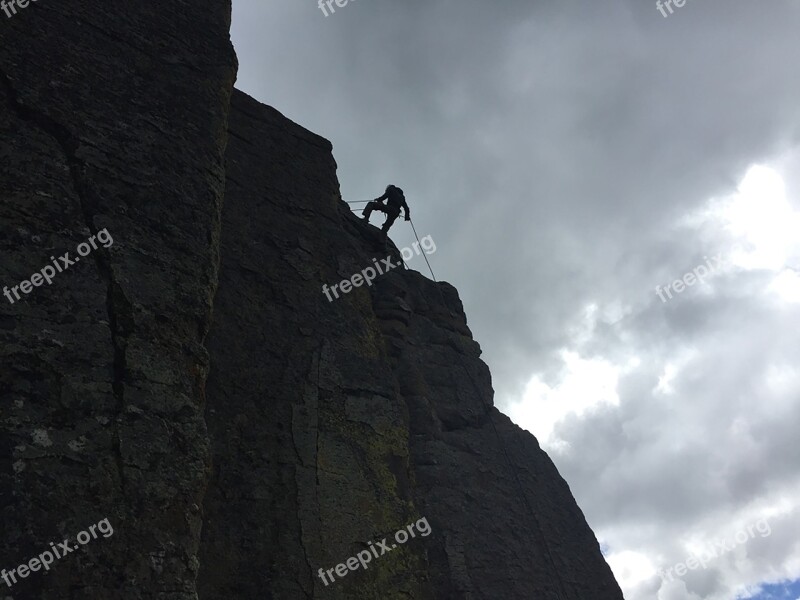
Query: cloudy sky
x=568 y=158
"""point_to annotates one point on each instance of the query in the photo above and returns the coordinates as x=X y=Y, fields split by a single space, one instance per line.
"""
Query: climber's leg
x=391 y=216
x=371 y=206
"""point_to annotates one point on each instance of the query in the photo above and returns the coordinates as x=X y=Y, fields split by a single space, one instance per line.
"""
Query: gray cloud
x=551 y=148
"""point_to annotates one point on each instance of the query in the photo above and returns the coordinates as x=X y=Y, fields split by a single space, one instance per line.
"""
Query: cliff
x=114 y=117
x=191 y=383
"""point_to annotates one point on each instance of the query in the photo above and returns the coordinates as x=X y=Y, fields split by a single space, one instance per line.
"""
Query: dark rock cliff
x=191 y=383
x=113 y=117
x=336 y=423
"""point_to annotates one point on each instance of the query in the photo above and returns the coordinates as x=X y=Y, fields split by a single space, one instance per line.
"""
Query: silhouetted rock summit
x=192 y=384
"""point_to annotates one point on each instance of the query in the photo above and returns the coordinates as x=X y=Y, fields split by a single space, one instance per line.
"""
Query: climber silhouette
x=395 y=201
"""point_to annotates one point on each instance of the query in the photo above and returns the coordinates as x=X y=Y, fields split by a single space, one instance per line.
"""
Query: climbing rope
x=424 y=255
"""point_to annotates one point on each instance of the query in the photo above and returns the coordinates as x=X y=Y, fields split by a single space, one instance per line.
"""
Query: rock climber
x=395 y=201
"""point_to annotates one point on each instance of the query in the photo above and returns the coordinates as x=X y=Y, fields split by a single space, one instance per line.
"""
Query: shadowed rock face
x=113 y=116
x=337 y=423
x=323 y=426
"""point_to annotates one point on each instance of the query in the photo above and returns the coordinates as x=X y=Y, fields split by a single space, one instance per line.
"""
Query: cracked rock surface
x=113 y=117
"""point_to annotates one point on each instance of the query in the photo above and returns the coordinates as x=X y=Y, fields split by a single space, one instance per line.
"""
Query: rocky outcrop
x=232 y=457
x=338 y=422
x=113 y=118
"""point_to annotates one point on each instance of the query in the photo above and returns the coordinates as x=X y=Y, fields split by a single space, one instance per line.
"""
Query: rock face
x=113 y=118
x=337 y=422
x=300 y=430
